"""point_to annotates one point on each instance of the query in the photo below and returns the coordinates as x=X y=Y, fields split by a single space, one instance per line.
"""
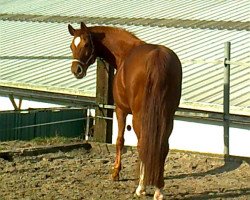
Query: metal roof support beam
x=49 y=97
x=204 y=115
x=12 y=99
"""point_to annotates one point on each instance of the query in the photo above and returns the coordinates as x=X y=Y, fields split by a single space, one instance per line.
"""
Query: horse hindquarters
x=161 y=99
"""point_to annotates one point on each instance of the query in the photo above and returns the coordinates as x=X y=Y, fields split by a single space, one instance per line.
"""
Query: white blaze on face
x=77 y=41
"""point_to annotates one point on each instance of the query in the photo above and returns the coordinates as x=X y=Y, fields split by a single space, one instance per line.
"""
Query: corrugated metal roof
x=161 y=9
x=203 y=24
x=202 y=83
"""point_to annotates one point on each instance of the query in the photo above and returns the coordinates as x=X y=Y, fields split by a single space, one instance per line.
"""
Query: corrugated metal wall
x=195 y=30
x=41 y=123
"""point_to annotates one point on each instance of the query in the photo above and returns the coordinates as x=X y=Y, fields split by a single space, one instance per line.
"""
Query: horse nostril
x=79 y=69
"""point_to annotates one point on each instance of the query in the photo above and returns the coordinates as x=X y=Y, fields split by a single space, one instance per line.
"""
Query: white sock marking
x=141 y=188
x=158 y=194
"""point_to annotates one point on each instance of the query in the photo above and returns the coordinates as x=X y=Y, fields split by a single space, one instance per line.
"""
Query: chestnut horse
x=147 y=84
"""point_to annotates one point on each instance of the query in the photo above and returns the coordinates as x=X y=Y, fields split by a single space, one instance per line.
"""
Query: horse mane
x=115 y=30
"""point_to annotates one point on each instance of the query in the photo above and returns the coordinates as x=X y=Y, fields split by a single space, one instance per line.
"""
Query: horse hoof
x=140 y=192
x=136 y=195
x=115 y=174
x=115 y=177
x=158 y=196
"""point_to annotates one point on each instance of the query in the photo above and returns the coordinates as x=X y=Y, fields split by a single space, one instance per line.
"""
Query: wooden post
x=104 y=96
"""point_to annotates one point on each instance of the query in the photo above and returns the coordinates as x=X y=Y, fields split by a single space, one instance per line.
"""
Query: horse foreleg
x=121 y=119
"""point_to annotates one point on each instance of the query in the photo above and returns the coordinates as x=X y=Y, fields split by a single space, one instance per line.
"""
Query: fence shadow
x=214 y=195
x=227 y=167
x=235 y=193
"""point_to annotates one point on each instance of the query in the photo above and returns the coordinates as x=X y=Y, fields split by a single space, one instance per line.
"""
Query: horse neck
x=112 y=44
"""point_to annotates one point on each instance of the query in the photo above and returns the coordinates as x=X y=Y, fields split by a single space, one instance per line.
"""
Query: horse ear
x=83 y=26
x=71 y=30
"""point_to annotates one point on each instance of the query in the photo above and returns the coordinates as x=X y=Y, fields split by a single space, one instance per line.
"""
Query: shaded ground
x=82 y=174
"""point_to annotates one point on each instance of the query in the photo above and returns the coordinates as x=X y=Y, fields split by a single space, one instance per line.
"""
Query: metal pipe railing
x=226 y=97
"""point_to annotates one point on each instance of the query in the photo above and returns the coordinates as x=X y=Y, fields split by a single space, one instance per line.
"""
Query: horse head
x=83 y=50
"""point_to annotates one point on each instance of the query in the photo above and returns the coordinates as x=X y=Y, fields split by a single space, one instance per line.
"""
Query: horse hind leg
x=141 y=189
x=158 y=195
x=121 y=119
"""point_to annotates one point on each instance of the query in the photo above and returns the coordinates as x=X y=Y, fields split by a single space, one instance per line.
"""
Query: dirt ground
x=85 y=174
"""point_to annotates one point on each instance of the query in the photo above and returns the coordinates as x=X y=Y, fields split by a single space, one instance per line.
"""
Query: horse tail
x=161 y=99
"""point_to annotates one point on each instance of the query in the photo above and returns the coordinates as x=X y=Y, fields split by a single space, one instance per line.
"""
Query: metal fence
x=43 y=123
x=225 y=117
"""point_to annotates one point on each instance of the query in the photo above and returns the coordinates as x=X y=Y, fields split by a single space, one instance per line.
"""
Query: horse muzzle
x=78 y=70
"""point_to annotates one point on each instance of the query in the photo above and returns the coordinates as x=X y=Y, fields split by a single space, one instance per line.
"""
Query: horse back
x=129 y=78
x=136 y=71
